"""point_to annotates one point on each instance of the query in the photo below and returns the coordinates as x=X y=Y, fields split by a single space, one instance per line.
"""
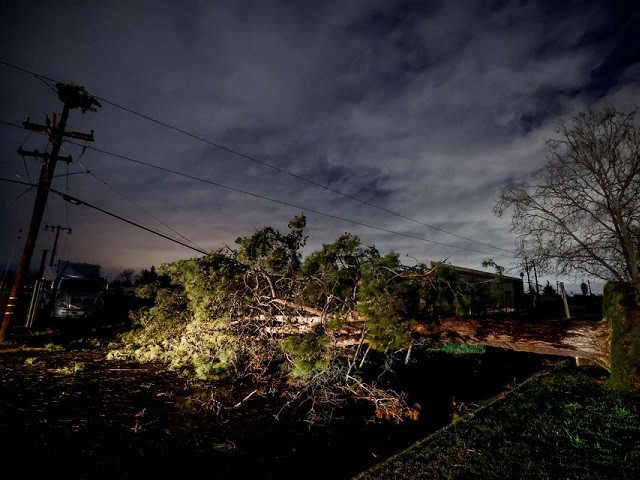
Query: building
x=491 y=289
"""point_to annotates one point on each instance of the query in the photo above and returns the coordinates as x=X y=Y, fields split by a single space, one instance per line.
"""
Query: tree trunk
x=584 y=339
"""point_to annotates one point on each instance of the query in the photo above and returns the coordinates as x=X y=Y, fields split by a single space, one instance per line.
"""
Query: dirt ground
x=70 y=413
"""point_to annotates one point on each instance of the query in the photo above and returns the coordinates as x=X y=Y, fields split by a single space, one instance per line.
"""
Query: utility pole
x=37 y=292
x=535 y=275
x=72 y=97
x=526 y=267
x=55 y=243
x=564 y=301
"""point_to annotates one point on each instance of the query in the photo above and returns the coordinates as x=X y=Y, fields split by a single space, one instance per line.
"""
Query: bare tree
x=126 y=277
x=581 y=214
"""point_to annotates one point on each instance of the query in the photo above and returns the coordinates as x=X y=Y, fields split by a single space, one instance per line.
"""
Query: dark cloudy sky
x=422 y=109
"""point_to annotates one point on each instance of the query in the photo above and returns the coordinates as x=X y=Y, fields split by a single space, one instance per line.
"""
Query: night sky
x=396 y=121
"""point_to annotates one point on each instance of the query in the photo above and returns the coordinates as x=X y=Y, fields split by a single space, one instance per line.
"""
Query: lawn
x=565 y=423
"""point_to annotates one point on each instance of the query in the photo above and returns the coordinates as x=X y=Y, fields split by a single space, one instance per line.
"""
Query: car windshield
x=81 y=285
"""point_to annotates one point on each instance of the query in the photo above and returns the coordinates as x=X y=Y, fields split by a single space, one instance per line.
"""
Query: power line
x=281 y=202
x=120 y=216
x=11 y=124
x=138 y=206
x=77 y=201
x=84 y=148
x=66 y=207
x=265 y=164
x=293 y=175
x=15 y=200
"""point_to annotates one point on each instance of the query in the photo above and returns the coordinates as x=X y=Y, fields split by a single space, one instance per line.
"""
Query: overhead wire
x=79 y=202
x=24 y=160
x=237 y=190
x=13 y=249
x=42 y=79
x=26 y=168
x=66 y=181
x=12 y=124
x=281 y=202
x=84 y=148
x=47 y=211
x=92 y=174
x=265 y=164
x=296 y=176
x=66 y=189
x=15 y=200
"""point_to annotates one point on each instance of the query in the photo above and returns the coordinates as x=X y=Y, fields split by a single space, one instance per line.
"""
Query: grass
x=461 y=349
x=563 y=424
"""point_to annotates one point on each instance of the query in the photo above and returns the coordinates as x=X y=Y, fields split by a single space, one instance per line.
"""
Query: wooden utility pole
x=526 y=267
x=37 y=292
x=564 y=300
x=72 y=97
x=535 y=276
x=55 y=242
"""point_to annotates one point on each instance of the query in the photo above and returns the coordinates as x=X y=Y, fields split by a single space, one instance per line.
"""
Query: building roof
x=472 y=272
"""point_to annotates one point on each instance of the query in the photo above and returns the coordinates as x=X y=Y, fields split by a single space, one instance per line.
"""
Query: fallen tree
x=260 y=310
x=588 y=340
x=583 y=339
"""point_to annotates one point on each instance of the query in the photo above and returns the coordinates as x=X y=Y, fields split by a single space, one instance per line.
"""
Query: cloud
x=425 y=109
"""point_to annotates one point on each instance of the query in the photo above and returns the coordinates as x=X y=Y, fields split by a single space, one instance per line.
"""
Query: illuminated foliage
x=262 y=309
